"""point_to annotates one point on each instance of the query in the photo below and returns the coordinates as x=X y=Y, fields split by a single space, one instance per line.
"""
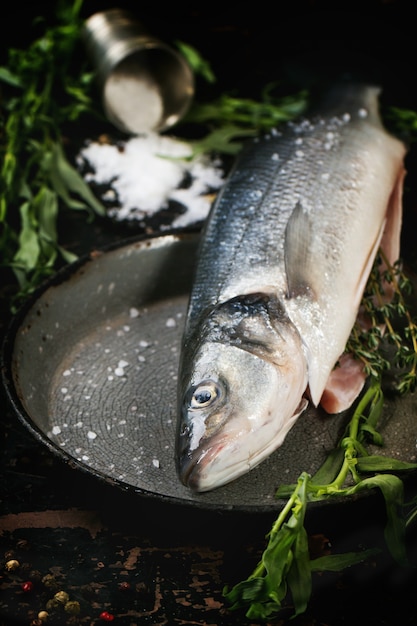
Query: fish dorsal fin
x=303 y=276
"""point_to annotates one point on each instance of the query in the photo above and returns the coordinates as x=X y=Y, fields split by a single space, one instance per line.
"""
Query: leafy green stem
x=36 y=178
x=293 y=504
x=286 y=563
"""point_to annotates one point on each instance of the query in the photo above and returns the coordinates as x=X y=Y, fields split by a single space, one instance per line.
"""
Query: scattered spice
x=50 y=582
x=62 y=597
x=53 y=604
x=43 y=616
x=124 y=586
x=27 y=586
x=72 y=607
x=106 y=616
x=12 y=565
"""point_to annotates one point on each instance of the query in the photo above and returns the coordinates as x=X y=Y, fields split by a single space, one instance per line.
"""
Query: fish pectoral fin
x=301 y=269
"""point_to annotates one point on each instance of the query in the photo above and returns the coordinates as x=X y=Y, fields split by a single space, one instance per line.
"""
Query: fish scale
x=290 y=241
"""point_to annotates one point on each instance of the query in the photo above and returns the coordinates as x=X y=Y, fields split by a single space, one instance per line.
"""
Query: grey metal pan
x=90 y=367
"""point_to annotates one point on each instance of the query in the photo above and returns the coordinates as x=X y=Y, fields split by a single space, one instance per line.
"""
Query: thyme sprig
x=388 y=322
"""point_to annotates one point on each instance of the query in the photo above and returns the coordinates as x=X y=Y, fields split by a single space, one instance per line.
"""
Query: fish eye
x=204 y=394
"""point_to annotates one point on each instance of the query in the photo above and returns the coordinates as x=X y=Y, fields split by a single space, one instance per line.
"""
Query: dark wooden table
x=137 y=561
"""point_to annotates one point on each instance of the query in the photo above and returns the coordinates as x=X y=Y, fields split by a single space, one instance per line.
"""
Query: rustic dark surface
x=142 y=561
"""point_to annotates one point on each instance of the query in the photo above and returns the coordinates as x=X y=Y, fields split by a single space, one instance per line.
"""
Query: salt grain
x=120 y=369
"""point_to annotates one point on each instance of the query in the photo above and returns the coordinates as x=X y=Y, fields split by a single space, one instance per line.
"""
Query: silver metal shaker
x=145 y=84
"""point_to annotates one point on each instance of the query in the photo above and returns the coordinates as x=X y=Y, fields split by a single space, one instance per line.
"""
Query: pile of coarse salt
x=145 y=173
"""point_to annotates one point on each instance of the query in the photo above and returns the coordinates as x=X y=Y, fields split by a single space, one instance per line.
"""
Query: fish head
x=237 y=403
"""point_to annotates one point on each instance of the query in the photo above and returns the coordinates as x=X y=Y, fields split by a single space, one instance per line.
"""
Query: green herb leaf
x=392 y=489
x=339 y=562
x=375 y=463
x=6 y=76
x=196 y=62
x=226 y=140
x=36 y=178
x=330 y=468
x=285 y=565
x=248 y=113
x=46 y=205
x=299 y=573
x=284 y=562
x=27 y=255
x=67 y=180
x=403 y=121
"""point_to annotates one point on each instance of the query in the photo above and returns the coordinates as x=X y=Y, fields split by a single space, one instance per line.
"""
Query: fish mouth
x=214 y=465
x=207 y=468
x=192 y=466
x=217 y=461
x=189 y=473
